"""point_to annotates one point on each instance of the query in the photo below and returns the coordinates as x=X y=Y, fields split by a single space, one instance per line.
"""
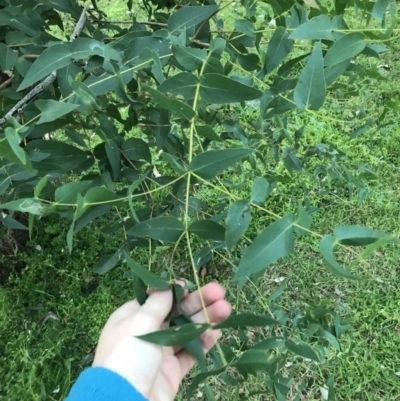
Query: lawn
x=52 y=313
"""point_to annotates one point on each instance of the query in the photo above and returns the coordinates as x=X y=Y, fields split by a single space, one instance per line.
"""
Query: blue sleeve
x=100 y=384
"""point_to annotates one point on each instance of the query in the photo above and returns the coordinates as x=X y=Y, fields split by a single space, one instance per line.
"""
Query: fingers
x=152 y=314
x=186 y=361
x=124 y=311
x=211 y=293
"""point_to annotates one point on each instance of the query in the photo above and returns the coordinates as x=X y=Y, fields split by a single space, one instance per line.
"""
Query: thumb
x=150 y=317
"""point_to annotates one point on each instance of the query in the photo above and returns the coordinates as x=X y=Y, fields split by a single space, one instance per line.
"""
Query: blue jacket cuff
x=100 y=384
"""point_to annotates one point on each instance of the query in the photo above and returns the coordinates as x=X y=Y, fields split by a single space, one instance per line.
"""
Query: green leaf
x=189 y=16
x=326 y=248
x=107 y=262
x=114 y=158
x=11 y=223
x=379 y=10
x=83 y=48
x=237 y=222
x=206 y=131
x=68 y=193
x=217 y=89
x=136 y=149
x=347 y=47
x=85 y=97
x=99 y=196
x=53 y=58
x=253 y=360
x=14 y=141
x=278 y=292
x=278 y=48
x=149 y=278
x=208 y=229
x=334 y=71
x=183 y=83
x=275 y=242
x=301 y=348
x=360 y=236
x=175 y=335
x=246 y=320
x=213 y=162
x=259 y=190
x=8 y=57
x=269 y=343
x=26 y=205
x=166 y=229
x=318 y=28
x=40 y=186
x=190 y=59
x=310 y=90
x=303 y=221
x=52 y=110
x=179 y=108
x=131 y=189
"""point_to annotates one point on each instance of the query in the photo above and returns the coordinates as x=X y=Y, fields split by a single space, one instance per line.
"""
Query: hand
x=156 y=371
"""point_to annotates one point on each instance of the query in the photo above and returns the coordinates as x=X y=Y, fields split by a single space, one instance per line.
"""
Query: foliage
x=167 y=95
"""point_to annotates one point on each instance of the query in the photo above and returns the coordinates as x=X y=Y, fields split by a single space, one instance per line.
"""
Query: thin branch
x=30 y=56
x=150 y=23
x=33 y=93
x=197 y=42
x=38 y=89
x=6 y=84
x=80 y=25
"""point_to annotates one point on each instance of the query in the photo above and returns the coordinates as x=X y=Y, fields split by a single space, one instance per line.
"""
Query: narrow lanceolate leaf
x=8 y=57
x=301 y=348
x=326 y=247
x=278 y=48
x=347 y=47
x=166 y=229
x=149 y=278
x=14 y=140
x=379 y=9
x=179 y=108
x=26 y=205
x=39 y=187
x=52 y=59
x=107 y=262
x=114 y=157
x=52 y=110
x=360 y=236
x=246 y=320
x=217 y=89
x=208 y=229
x=275 y=242
x=318 y=28
x=213 y=162
x=310 y=90
x=175 y=335
x=303 y=222
x=237 y=222
x=259 y=190
x=187 y=17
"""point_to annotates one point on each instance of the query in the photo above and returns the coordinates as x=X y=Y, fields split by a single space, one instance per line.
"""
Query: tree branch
x=150 y=23
x=38 y=89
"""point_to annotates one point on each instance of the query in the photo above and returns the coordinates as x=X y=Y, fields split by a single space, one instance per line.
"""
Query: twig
x=30 y=56
x=150 y=23
x=80 y=25
x=200 y=43
x=33 y=93
x=49 y=80
x=6 y=84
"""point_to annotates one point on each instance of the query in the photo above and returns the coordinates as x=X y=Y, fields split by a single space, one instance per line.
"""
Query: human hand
x=156 y=371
